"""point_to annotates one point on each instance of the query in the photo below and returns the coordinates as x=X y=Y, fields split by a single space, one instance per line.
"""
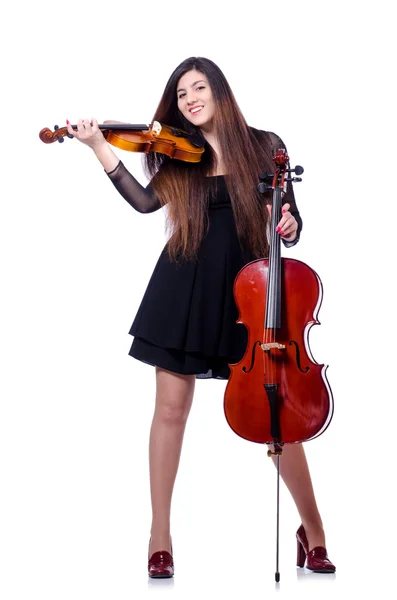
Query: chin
x=201 y=122
x=197 y=122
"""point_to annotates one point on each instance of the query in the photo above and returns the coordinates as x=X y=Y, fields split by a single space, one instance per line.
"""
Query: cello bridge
x=272 y=346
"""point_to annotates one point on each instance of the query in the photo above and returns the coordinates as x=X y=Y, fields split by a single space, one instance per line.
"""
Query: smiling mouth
x=196 y=110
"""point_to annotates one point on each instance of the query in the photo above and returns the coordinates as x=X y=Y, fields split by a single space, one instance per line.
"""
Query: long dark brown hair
x=183 y=186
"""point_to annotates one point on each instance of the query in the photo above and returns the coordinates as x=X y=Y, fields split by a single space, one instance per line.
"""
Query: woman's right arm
x=144 y=200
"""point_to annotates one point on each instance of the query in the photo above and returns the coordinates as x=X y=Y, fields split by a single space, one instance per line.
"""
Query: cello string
x=265 y=337
x=274 y=278
x=269 y=307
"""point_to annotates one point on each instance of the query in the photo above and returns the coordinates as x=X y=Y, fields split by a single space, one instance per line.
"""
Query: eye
x=201 y=87
x=182 y=94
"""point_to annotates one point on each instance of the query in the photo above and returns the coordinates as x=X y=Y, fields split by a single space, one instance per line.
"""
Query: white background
x=76 y=259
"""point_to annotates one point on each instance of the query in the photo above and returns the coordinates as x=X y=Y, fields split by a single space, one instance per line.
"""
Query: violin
x=277 y=394
x=156 y=137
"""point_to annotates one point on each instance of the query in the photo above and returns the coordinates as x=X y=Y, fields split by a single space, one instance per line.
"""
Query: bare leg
x=174 y=396
x=295 y=473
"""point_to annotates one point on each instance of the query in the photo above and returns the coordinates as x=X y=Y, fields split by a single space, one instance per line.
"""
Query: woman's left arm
x=290 y=224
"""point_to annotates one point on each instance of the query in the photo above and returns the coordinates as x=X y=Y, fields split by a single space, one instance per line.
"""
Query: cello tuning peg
x=60 y=140
x=264 y=176
x=56 y=127
x=263 y=188
x=298 y=170
x=70 y=136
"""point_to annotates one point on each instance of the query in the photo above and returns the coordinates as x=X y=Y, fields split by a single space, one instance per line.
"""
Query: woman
x=186 y=324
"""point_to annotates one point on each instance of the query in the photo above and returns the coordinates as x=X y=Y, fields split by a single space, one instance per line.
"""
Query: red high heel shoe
x=316 y=560
x=161 y=564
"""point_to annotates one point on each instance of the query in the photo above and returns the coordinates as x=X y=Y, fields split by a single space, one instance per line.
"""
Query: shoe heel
x=301 y=555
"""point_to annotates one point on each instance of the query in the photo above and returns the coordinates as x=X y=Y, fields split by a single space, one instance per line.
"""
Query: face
x=195 y=100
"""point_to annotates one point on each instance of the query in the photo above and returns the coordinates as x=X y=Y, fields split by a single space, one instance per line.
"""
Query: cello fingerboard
x=273 y=295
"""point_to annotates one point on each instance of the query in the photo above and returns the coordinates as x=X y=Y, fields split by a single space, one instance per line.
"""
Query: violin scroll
x=48 y=137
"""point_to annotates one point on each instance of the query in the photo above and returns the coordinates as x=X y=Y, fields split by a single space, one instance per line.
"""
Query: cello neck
x=273 y=297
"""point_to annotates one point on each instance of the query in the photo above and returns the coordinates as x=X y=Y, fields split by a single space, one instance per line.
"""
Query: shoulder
x=270 y=138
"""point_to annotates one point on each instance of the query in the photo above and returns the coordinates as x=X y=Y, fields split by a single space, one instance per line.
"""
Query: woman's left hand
x=288 y=225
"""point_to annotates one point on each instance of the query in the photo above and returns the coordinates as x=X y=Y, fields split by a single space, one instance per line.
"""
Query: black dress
x=186 y=322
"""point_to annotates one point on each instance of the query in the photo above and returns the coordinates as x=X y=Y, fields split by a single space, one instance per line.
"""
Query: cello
x=277 y=393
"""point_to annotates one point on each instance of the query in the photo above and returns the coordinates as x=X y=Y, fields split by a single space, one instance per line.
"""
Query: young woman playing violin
x=186 y=324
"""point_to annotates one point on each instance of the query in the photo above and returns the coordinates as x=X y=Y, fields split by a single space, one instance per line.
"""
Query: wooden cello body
x=277 y=393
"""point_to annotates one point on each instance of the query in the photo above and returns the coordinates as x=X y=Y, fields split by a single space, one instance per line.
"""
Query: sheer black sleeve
x=277 y=144
x=144 y=200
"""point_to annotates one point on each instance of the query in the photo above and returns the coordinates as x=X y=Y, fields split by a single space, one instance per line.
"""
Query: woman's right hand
x=88 y=133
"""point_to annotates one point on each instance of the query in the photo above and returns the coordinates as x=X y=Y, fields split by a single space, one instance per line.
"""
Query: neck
x=212 y=139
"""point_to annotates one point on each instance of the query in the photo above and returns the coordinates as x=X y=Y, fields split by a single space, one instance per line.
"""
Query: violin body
x=304 y=404
x=165 y=142
x=156 y=137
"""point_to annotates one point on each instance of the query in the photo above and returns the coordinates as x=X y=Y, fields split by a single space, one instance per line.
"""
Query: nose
x=191 y=97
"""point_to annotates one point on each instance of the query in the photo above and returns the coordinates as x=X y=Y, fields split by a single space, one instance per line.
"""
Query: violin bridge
x=156 y=127
x=272 y=346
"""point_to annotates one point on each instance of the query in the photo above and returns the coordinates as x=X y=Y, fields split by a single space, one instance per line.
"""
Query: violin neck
x=121 y=127
x=273 y=299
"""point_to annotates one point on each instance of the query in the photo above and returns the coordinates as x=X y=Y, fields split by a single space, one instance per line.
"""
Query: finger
x=87 y=127
x=78 y=131
x=269 y=209
x=286 y=225
x=86 y=123
x=94 y=124
x=288 y=235
x=287 y=231
x=285 y=207
x=70 y=129
x=86 y=131
x=80 y=126
x=284 y=219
